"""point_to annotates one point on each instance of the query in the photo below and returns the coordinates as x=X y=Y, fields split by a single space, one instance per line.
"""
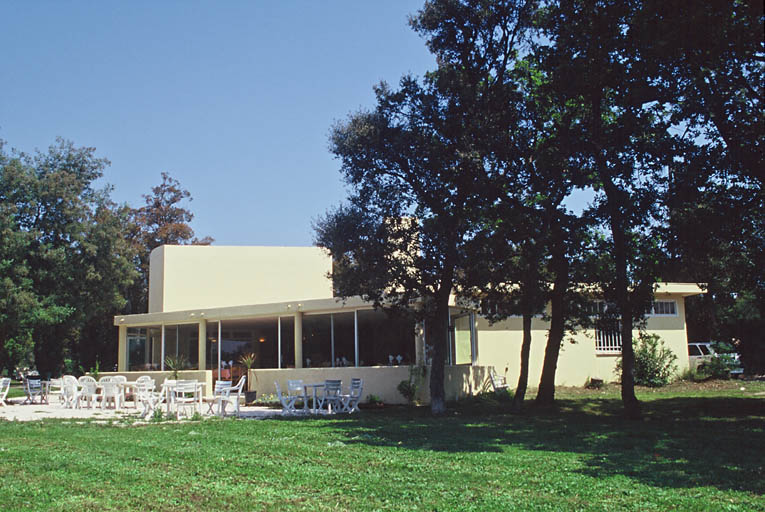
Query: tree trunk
x=523 y=378
x=560 y=264
x=439 y=338
x=629 y=400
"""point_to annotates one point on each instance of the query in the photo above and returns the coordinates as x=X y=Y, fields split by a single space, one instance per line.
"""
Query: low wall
x=205 y=376
x=381 y=381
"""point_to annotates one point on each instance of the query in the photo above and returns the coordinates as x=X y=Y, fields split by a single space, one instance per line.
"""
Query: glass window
x=385 y=339
x=212 y=345
x=288 y=341
x=462 y=345
x=704 y=350
x=664 y=307
x=345 y=344
x=693 y=350
x=317 y=345
x=181 y=345
x=138 y=357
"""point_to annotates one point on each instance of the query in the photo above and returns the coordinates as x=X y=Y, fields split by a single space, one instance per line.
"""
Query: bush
x=717 y=367
x=654 y=362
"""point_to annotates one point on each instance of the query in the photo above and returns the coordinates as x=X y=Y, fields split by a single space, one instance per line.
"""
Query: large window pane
x=317 y=348
x=462 y=345
x=288 y=341
x=138 y=349
x=345 y=349
x=385 y=338
x=212 y=346
x=182 y=345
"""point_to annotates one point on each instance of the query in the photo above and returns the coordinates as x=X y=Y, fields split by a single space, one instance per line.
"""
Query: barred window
x=664 y=308
x=608 y=336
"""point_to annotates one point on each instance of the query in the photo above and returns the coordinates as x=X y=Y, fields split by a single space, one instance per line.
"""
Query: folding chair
x=350 y=402
x=5 y=385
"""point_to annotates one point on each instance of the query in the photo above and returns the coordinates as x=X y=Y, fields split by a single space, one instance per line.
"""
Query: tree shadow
x=682 y=442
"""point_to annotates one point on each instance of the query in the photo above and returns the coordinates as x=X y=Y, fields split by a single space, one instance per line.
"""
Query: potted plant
x=176 y=363
x=248 y=361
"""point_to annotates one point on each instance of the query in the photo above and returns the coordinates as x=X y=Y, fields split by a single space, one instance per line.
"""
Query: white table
x=313 y=409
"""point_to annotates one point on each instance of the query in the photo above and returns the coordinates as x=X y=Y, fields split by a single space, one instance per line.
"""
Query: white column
x=356 y=337
x=162 y=355
x=332 y=337
x=279 y=342
x=298 y=340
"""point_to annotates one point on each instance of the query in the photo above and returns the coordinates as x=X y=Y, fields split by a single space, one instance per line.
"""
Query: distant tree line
x=460 y=182
x=71 y=258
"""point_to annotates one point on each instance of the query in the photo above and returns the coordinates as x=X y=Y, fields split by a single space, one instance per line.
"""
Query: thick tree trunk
x=629 y=400
x=438 y=337
x=523 y=378
x=546 y=393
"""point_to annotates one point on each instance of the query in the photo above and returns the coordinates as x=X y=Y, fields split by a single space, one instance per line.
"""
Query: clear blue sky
x=233 y=99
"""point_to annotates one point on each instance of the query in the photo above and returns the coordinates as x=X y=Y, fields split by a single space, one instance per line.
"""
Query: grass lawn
x=700 y=447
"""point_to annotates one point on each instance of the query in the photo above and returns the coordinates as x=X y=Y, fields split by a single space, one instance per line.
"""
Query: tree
x=66 y=272
x=160 y=221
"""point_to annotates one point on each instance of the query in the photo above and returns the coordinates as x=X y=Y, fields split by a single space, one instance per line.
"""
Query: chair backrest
x=88 y=384
x=109 y=388
x=5 y=385
x=332 y=387
x=356 y=386
x=239 y=385
x=107 y=378
x=33 y=384
x=497 y=381
x=295 y=386
x=221 y=385
x=145 y=382
x=184 y=387
x=119 y=378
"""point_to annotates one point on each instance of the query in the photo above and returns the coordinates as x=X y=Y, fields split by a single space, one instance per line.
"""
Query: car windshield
x=704 y=350
x=694 y=350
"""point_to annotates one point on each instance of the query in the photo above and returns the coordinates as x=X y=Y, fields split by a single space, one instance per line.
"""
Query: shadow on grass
x=682 y=443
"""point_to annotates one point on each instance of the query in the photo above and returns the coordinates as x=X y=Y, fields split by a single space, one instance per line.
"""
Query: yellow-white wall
x=381 y=381
x=195 y=277
x=499 y=345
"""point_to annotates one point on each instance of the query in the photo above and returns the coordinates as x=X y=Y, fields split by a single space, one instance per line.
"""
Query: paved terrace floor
x=15 y=410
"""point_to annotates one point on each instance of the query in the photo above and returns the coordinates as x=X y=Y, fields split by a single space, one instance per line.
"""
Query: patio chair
x=70 y=391
x=146 y=380
x=33 y=388
x=5 y=385
x=350 y=402
x=222 y=388
x=234 y=397
x=184 y=395
x=56 y=388
x=110 y=391
x=147 y=397
x=296 y=389
x=287 y=401
x=88 y=390
x=498 y=382
x=120 y=379
x=331 y=396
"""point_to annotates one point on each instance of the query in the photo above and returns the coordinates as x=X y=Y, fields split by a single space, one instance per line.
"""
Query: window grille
x=608 y=336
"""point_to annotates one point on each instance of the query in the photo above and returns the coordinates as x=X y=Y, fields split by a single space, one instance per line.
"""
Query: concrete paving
x=15 y=410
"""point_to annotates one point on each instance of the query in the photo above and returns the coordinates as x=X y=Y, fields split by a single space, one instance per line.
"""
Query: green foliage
x=157 y=416
x=716 y=368
x=409 y=388
x=176 y=364
x=95 y=370
x=374 y=400
x=655 y=363
x=248 y=360
x=581 y=456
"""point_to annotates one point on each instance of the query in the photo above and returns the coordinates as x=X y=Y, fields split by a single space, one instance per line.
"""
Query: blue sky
x=233 y=99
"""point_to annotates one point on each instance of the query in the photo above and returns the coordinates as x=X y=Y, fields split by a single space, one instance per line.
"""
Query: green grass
x=699 y=448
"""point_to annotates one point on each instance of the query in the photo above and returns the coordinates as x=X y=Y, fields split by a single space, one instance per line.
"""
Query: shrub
x=654 y=362
x=717 y=367
x=409 y=388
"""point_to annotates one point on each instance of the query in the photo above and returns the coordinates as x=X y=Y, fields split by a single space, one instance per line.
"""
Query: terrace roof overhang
x=331 y=305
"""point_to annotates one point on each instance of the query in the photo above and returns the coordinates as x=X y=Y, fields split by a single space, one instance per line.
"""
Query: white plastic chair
x=222 y=389
x=120 y=380
x=350 y=402
x=56 y=388
x=331 y=396
x=184 y=395
x=5 y=385
x=70 y=391
x=88 y=390
x=147 y=381
x=287 y=401
x=147 y=397
x=498 y=382
x=110 y=391
x=234 y=396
